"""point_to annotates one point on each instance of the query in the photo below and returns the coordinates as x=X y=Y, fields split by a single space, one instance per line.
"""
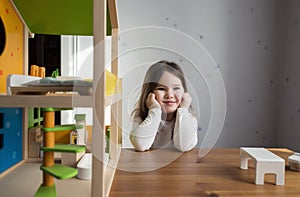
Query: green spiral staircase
x=49 y=168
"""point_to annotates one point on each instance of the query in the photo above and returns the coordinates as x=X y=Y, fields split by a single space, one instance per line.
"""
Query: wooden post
x=114 y=108
x=119 y=108
x=49 y=141
x=99 y=31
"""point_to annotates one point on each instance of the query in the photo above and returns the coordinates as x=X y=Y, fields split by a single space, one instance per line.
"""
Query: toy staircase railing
x=49 y=168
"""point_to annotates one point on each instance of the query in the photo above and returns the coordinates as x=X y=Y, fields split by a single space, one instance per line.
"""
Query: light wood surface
x=58 y=101
x=217 y=174
x=99 y=84
x=45 y=101
x=102 y=179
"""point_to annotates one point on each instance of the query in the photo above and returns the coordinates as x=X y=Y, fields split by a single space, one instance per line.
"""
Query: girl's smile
x=169 y=102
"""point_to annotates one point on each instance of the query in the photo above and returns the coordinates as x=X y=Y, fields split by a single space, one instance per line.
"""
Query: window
x=2 y=37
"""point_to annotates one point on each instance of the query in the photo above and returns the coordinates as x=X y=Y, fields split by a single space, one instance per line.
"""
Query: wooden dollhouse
x=97 y=18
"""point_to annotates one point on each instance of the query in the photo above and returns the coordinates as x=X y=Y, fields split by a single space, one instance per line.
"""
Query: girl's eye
x=160 y=88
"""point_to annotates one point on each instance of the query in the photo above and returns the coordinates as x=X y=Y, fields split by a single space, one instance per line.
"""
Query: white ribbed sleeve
x=185 y=131
x=143 y=133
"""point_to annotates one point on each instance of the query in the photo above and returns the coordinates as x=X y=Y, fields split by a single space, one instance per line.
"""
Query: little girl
x=162 y=117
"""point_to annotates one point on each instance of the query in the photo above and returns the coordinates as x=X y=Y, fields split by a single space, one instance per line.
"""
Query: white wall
x=244 y=38
x=289 y=116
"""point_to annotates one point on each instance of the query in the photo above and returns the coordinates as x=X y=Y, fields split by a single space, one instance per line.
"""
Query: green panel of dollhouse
x=59 y=17
x=10 y=137
x=35 y=117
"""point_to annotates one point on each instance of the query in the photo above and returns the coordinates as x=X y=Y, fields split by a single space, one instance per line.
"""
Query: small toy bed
x=49 y=84
x=21 y=84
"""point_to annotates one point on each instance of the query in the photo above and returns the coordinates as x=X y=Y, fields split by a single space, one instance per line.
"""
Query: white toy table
x=265 y=162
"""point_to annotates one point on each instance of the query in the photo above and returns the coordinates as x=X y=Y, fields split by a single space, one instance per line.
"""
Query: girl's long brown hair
x=151 y=79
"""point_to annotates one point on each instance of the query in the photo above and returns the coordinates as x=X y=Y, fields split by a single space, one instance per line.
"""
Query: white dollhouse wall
x=77 y=60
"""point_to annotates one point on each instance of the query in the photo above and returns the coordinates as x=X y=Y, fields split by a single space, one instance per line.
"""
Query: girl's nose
x=169 y=93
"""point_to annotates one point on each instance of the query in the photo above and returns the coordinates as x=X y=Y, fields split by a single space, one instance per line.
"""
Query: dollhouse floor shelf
x=55 y=109
x=62 y=100
x=60 y=171
x=57 y=128
x=45 y=101
x=46 y=191
x=43 y=90
x=65 y=148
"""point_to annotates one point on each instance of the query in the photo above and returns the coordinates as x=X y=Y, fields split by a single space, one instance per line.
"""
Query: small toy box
x=84 y=167
x=294 y=161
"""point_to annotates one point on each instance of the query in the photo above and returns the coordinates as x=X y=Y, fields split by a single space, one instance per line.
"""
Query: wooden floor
x=217 y=174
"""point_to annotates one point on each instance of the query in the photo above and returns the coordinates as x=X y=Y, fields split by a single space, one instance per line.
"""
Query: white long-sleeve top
x=154 y=132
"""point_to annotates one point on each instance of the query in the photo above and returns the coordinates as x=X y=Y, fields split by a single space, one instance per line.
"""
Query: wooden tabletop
x=169 y=173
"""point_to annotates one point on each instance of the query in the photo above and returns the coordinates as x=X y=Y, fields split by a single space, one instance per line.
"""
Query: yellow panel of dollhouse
x=11 y=59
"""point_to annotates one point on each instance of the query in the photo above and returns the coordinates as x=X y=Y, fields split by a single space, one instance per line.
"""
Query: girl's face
x=169 y=92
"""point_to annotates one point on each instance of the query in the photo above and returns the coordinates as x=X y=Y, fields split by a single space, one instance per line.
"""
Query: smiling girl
x=162 y=116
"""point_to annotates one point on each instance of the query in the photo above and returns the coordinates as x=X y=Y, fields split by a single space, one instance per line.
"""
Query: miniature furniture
x=49 y=168
x=265 y=162
x=84 y=167
x=294 y=161
x=16 y=80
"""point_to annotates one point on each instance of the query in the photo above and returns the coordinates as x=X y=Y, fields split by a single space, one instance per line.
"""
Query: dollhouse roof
x=59 y=17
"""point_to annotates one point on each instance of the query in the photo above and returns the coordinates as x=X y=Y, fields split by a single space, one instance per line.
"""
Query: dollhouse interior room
x=36 y=93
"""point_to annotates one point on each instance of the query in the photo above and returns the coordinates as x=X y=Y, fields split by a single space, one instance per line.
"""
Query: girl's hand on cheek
x=151 y=102
x=186 y=100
